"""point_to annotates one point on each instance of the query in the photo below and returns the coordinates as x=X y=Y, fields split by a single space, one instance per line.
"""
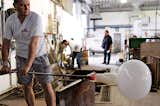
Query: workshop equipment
x=79 y=92
x=154 y=64
x=77 y=89
x=149 y=49
x=84 y=59
x=130 y=74
x=133 y=78
x=134 y=47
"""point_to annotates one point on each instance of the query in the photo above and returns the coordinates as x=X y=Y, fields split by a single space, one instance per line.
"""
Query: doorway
x=117 y=42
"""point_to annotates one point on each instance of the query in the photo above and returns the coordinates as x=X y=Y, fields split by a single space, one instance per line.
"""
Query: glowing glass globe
x=134 y=79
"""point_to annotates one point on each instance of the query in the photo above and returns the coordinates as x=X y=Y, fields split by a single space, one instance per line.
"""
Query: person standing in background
x=76 y=53
x=26 y=28
x=62 y=45
x=107 y=46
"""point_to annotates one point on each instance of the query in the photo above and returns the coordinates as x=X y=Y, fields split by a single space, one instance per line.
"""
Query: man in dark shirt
x=107 y=46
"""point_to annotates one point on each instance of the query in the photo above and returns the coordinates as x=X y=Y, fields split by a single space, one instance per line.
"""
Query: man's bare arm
x=32 y=50
x=5 y=49
x=31 y=55
x=5 y=54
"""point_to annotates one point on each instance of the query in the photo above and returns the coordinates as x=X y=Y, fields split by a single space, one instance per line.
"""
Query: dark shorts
x=40 y=64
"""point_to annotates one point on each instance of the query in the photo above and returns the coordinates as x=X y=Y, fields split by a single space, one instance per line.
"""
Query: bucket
x=84 y=58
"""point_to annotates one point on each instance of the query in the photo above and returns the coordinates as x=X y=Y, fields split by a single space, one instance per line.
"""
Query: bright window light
x=123 y=1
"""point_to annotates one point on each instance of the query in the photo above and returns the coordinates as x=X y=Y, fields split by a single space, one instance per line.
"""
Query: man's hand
x=25 y=69
x=5 y=69
x=108 y=51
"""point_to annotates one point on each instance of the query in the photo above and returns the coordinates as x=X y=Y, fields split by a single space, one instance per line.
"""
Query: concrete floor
x=95 y=62
x=21 y=102
x=153 y=99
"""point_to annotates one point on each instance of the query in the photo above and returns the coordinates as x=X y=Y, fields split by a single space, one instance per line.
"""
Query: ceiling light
x=123 y=1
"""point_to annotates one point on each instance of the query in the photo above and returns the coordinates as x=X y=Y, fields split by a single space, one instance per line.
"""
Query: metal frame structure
x=117 y=6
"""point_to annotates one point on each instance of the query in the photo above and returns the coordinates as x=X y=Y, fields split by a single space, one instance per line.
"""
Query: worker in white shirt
x=25 y=27
x=76 y=53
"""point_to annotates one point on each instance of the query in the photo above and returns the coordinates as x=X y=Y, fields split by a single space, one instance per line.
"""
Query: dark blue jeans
x=107 y=55
x=76 y=55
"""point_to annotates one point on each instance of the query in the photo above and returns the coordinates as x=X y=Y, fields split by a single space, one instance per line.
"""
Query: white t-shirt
x=23 y=32
x=74 y=46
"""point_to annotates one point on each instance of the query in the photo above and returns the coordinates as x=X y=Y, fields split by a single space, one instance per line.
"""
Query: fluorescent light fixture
x=123 y=1
x=96 y=15
x=88 y=1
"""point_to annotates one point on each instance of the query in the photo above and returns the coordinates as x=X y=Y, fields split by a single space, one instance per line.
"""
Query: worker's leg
x=41 y=64
x=29 y=94
x=105 y=54
x=109 y=57
x=73 y=57
x=26 y=81
x=50 y=97
x=78 y=59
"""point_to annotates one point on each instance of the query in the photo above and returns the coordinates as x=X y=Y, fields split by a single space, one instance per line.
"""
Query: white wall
x=72 y=26
x=123 y=18
x=111 y=18
x=8 y=4
x=114 y=18
x=43 y=9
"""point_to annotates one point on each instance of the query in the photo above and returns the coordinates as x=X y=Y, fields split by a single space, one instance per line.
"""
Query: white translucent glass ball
x=134 y=79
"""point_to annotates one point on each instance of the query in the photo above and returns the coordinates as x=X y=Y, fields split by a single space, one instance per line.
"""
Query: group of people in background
x=76 y=51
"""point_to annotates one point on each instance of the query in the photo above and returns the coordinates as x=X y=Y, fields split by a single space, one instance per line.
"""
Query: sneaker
x=104 y=63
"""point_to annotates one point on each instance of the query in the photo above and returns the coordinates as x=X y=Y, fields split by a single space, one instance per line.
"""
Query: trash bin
x=84 y=59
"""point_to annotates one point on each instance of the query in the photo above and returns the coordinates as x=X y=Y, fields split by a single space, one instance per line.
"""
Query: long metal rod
x=91 y=75
x=64 y=75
